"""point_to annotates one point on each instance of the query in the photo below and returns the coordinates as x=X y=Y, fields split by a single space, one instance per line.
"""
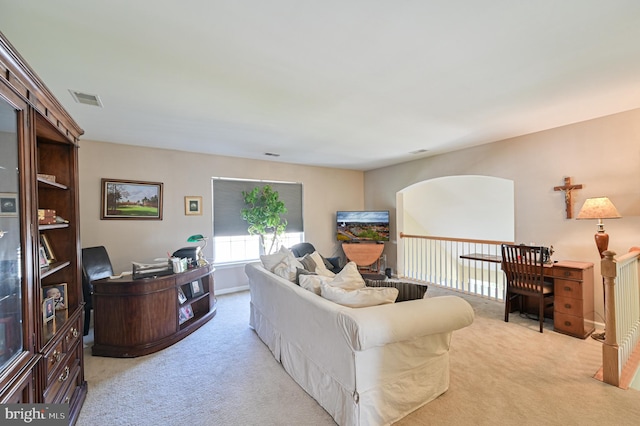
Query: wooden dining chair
x=524 y=270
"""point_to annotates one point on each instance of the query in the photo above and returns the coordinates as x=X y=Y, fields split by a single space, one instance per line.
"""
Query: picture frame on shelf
x=185 y=314
x=42 y=257
x=193 y=205
x=44 y=242
x=48 y=311
x=196 y=288
x=181 y=296
x=57 y=292
x=131 y=199
x=8 y=204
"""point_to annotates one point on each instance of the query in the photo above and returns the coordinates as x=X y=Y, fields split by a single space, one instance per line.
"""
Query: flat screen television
x=362 y=226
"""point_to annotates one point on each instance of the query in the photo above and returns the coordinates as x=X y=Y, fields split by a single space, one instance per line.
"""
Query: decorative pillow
x=287 y=269
x=312 y=282
x=302 y=272
x=349 y=278
x=360 y=298
x=270 y=261
x=321 y=269
x=308 y=263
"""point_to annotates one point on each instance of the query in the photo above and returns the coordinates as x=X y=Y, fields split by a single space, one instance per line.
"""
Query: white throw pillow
x=288 y=268
x=320 y=268
x=360 y=298
x=349 y=278
x=270 y=261
x=312 y=282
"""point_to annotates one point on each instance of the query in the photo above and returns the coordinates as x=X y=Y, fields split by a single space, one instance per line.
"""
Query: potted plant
x=263 y=215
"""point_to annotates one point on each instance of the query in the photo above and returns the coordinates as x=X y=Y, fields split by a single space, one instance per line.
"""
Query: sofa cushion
x=300 y=272
x=407 y=290
x=287 y=269
x=321 y=269
x=270 y=261
x=360 y=298
x=349 y=278
x=312 y=282
x=308 y=262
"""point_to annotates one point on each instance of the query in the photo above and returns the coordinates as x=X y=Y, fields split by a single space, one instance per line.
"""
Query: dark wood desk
x=573 y=306
x=140 y=317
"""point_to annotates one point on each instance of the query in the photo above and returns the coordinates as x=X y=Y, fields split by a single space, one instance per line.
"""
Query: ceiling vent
x=271 y=154
x=419 y=151
x=86 y=98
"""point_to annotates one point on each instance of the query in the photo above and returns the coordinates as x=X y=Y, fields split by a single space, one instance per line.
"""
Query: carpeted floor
x=501 y=373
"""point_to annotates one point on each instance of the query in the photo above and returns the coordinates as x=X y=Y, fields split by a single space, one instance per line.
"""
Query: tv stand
x=365 y=255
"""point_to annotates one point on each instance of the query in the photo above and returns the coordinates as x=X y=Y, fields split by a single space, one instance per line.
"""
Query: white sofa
x=364 y=366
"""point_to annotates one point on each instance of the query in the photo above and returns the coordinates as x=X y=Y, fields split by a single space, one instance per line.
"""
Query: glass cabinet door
x=11 y=339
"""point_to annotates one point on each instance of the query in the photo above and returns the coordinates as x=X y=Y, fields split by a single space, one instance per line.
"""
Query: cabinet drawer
x=72 y=336
x=567 y=273
x=566 y=288
x=569 y=324
x=568 y=305
x=67 y=374
x=53 y=359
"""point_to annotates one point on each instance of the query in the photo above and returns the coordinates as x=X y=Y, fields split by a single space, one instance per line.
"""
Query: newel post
x=610 y=366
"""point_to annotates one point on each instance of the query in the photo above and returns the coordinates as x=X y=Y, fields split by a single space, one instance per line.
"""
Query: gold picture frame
x=193 y=205
x=46 y=244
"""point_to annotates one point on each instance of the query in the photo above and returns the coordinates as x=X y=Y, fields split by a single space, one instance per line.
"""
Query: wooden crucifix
x=568 y=188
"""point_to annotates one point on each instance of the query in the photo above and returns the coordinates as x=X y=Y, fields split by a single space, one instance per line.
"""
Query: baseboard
x=231 y=290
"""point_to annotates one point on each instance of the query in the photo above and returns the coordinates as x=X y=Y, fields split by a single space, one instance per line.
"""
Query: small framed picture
x=193 y=205
x=185 y=314
x=8 y=204
x=181 y=296
x=196 y=288
x=57 y=292
x=42 y=255
x=48 y=311
x=44 y=242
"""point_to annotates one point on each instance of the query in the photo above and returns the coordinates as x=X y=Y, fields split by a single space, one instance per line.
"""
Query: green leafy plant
x=263 y=215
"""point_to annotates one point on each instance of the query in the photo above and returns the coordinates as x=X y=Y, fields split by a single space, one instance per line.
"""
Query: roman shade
x=228 y=203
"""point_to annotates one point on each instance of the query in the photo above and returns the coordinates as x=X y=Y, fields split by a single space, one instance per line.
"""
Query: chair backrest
x=300 y=249
x=524 y=268
x=95 y=264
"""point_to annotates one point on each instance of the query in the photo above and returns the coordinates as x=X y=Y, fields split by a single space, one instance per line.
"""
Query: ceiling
x=356 y=84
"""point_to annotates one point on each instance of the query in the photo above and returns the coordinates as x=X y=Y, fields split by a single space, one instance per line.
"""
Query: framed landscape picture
x=130 y=199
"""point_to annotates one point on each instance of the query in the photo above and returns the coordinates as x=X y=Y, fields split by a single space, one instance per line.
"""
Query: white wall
x=182 y=173
x=601 y=154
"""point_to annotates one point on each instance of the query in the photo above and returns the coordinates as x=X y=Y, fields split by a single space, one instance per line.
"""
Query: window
x=231 y=241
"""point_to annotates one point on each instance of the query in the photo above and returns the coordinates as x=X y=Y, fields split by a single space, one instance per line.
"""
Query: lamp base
x=602 y=242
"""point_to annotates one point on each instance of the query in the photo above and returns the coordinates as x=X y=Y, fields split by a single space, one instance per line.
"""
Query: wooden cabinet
x=573 y=298
x=140 y=317
x=41 y=357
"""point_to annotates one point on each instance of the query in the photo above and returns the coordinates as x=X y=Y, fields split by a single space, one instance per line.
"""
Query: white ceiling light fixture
x=86 y=98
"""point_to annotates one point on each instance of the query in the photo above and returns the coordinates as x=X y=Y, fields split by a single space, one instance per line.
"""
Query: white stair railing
x=622 y=315
x=467 y=265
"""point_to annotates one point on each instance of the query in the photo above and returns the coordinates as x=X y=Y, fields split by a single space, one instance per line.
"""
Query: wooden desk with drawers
x=573 y=307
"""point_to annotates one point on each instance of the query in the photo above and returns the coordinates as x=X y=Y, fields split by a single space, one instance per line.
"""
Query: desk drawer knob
x=567 y=323
x=567 y=305
x=567 y=288
x=567 y=273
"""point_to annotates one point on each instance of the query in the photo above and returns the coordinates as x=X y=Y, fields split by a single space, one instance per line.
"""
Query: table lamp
x=599 y=208
x=197 y=238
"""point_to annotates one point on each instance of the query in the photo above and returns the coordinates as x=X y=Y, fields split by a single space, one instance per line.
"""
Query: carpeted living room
x=462 y=122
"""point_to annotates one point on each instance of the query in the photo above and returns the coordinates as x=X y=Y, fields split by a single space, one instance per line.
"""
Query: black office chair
x=524 y=269
x=95 y=265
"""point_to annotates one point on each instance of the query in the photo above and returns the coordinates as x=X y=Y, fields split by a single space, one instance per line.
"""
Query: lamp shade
x=598 y=208
x=196 y=237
